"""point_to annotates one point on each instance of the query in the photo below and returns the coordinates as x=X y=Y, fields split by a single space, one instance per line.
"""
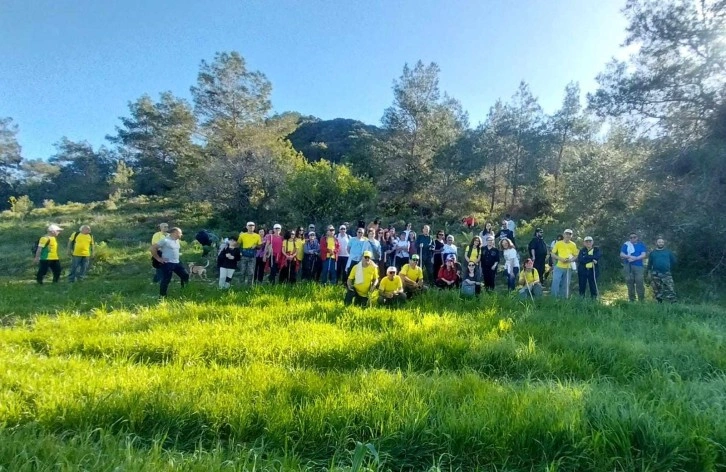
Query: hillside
x=331 y=140
x=100 y=375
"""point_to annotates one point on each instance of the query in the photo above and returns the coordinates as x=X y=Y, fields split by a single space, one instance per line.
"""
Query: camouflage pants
x=662 y=284
x=247 y=268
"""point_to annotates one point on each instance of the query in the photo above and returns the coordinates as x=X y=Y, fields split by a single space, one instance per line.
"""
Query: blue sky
x=70 y=67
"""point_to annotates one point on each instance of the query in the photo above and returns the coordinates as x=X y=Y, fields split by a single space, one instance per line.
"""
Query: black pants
x=288 y=273
x=310 y=269
x=340 y=271
x=43 y=267
x=539 y=264
x=441 y=284
x=259 y=268
x=351 y=296
x=171 y=268
x=586 y=276
x=400 y=262
x=429 y=270
x=396 y=300
x=489 y=276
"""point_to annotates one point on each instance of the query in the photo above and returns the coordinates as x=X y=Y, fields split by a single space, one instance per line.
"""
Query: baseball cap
x=311 y=233
x=414 y=257
x=588 y=238
x=367 y=254
x=277 y=226
x=311 y=225
x=342 y=227
x=54 y=227
x=568 y=231
x=250 y=223
x=391 y=269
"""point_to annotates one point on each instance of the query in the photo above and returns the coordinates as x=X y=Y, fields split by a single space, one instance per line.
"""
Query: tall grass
x=99 y=375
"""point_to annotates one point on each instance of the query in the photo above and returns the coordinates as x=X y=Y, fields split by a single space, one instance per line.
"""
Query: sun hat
x=54 y=227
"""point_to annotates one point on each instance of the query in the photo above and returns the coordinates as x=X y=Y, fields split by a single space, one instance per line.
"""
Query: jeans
x=561 y=282
x=79 y=267
x=328 y=273
x=512 y=278
x=169 y=269
x=43 y=267
x=534 y=289
x=225 y=277
x=340 y=270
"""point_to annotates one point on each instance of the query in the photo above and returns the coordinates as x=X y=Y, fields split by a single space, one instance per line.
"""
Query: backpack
x=203 y=238
x=73 y=240
x=36 y=245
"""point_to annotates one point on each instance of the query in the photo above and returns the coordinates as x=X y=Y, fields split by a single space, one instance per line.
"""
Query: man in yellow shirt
x=361 y=281
x=80 y=248
x=46 y=256
x=249 y=243
x=391 y=289
x=529 y=279
x=412 y=277
x=565 y=253
x=158 y=236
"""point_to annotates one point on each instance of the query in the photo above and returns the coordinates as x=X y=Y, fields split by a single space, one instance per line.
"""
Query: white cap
x=588 y=238
x=342 y=227
x=391 y=269
x=568 y=231
x=277 y=226
x=54 y=227
x=250 y=223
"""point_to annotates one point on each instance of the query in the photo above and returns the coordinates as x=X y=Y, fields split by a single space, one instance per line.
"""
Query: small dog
x=198 y=270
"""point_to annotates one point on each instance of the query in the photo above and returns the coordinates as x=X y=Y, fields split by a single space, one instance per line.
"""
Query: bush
x=21 y=205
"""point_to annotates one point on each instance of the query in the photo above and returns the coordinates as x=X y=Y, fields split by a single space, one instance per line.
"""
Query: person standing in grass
x=356 y=248
x=489 y=263
x=424 y=250
x=329 y=254
x=505 y=233
x=80 y=248
x=248 y=244
x=391 y=289
x=588 y=267
x=374 y=246
x=472 y=253
x=273 y=251
x=341 y=266
x=260 y=258
x=511 y=262
x=487 y=231
x=438 y=257
x=227 y=261
x=288 y=258
x=158 y=236
x=660 y=264
x=632 y=254
x=362 y=281
x=565 y=253
x=538 y=252
x=530 y=281
x=412 y=277
x=311 y=253
x=46 y=256
x=169 y=260
x=449 y=248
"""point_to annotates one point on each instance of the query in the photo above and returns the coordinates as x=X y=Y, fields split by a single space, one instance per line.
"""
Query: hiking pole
x=528 y=288
x=594 y=278
x=567 y=285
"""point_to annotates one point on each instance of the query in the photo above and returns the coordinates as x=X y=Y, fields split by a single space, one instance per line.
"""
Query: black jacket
x=223 y=262
x=489 y=257
x=584 y=258
x=539 y=246
x=506 y=233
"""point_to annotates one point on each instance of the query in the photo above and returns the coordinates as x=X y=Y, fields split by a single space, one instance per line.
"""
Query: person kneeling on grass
x=362 y=281
x=227 y=261
x=529 y=279
x=391 y=289
x=448 y=276
x=412 y=277
x=471 y=283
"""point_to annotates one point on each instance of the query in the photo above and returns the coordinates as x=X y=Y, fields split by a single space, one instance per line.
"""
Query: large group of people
x=394 y=265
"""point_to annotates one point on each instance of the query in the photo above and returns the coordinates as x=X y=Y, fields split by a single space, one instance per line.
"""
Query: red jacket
x=324 y=248
x=448 y=275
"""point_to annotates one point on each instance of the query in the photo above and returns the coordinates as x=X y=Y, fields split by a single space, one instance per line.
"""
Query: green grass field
x=101 y=376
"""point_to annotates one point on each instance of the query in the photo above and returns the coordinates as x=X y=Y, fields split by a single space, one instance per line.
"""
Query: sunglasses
x=472 y=265
x=366 y=257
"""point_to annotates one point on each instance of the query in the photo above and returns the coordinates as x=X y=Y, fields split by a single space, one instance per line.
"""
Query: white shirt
x=402 y=248
x=343 y=240
x=511 y=259
x=511 y=225
x=448 y=249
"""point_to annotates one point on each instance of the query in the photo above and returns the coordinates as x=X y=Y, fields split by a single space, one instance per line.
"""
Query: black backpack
x=36 y=245
x=203 y=238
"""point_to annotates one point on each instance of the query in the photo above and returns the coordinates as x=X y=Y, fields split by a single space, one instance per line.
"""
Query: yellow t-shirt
x=370 y=274
x=529 y=277
x=82 y=245
x=565 y=250
x=299 y=244
x=331 y=246
x=414 y=274
x=289 y=246
x=249 y=240
x=475 y=254
x=388 y=286
x=158 y=236
x=52 y=249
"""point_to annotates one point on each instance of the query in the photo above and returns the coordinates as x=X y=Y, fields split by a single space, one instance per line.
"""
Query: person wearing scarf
x=362 y=281
x=632 y=254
